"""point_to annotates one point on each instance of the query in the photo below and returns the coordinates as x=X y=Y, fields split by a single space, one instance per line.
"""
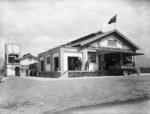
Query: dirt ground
x=43 y=95
x=139 y=106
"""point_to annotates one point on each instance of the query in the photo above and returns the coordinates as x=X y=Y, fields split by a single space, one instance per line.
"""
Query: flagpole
x=113 y=20
x=116 y=22
x=101 y=24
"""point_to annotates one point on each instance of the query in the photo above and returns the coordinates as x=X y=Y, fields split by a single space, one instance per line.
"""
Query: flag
x=113 y=19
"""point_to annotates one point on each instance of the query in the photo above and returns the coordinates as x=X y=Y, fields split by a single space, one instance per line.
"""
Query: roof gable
x=110 y=41
x=89 y=39
x=79 y=40
x=29 y=57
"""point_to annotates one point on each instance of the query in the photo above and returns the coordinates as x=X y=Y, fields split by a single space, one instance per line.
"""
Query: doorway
x=56 y=63
x=17 y=71
x=111 y=59
x=42 y=65
x=100 y=64
x=72 y=63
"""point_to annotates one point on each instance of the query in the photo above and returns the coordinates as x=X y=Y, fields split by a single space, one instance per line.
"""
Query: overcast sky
x=39 y=25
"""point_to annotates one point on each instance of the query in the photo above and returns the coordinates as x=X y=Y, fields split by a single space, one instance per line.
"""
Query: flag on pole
x=113 y=19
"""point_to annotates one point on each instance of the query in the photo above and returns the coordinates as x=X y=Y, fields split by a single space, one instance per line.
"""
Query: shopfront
x=91 y=55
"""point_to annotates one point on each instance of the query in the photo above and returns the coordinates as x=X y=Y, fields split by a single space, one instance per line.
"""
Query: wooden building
x=90 y=55
x=26 y=62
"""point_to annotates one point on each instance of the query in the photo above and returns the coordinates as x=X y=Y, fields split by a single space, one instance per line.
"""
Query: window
x=111 y=43
x=11 y=59
x=48 y=60
x=92 y=56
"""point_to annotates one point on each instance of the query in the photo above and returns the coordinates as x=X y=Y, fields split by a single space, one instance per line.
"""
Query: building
x=28 y=65
x=95 y=52
x=11 y=63
x=15 y=65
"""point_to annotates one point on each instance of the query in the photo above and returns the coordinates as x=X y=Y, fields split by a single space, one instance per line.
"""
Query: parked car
x=127 y=69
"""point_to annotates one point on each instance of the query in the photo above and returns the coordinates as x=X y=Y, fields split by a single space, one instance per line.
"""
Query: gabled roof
x=28 y=57
x=77 y=41
x=95 y=36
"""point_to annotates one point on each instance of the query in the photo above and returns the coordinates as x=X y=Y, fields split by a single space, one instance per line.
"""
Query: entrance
x=100 y=63
x=56 y=64
x=17 y=71
x=42 y=65
x=72 y=63
x=111 y=59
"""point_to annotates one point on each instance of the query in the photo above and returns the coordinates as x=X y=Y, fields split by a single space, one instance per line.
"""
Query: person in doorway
x=87 y=64
x=27 y=72
x=72 y=65
x=79 y=63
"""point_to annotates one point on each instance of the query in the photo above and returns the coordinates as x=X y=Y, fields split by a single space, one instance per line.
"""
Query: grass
x=28 y=96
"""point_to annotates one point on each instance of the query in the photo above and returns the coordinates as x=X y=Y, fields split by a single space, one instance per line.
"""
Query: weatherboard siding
x=27 y=61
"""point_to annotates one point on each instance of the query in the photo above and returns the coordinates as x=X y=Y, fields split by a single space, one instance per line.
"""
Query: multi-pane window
x=48 y=60
x=111 y=43
x=92 y=56
x=11 y=59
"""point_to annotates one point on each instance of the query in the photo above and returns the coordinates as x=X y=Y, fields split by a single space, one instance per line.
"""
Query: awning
x=128 y=53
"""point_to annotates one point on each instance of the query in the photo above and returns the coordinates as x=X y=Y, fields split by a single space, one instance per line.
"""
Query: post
x=116 y=22
x=101 y=23
x=121 y=59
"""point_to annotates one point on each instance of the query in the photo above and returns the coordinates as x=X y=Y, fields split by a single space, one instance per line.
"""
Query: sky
x=39 y=25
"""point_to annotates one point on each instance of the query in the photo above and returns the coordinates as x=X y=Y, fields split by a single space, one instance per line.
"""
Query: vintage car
x=126 y=69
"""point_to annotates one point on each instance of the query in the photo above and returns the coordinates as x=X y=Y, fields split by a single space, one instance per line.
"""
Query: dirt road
x=44 y=95
x=141 y=106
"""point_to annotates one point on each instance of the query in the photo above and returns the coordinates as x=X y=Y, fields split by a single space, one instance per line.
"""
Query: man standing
x=87 y=64
x=79 y=63
x=72 y=65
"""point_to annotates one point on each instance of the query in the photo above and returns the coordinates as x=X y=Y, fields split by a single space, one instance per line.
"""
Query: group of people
x=76 y=65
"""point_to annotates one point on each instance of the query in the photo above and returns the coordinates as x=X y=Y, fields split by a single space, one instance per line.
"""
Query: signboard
x=92 y=56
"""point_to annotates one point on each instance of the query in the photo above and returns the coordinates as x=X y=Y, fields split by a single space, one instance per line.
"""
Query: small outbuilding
x=91 y=55
x=28 y=65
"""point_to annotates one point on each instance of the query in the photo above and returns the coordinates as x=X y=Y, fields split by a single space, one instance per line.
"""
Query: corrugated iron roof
x=94 y=36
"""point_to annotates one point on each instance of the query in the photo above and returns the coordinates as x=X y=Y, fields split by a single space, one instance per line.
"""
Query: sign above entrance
x=110 y=48
x=107 y=51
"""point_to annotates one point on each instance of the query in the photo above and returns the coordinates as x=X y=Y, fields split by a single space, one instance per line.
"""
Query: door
x=72 y=63
x=56 y=64
x=99 y=62
x=42 y=65
x=17 y=71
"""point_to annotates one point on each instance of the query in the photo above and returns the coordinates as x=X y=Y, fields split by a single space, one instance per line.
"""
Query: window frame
x=93 y=60
x=111 y=42
x=12 y=61
x=48 y=62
